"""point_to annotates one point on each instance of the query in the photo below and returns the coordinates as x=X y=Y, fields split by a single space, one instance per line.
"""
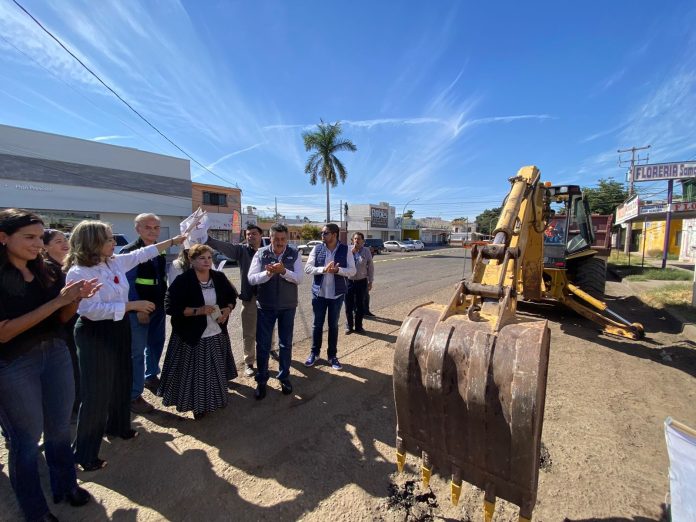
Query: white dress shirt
x=328 y=285
x=109 y=302
x=257 y=275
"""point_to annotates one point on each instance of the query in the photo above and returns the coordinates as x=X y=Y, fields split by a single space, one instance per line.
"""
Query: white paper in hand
x=195 y=227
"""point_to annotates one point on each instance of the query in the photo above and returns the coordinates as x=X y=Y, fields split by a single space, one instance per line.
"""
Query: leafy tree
x=487 y=220
x=409 y=214
x=323 y=163
x=608 y=195
x=309 y=232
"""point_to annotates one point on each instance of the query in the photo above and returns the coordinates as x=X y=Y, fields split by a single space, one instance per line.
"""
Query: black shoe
x=94 y=466
x=77 y=497
x=286 y=387
x=275 y=354
x=152 y=384
x=369 y=314
x=260 y=392
x=349 y=331
x=360 y=330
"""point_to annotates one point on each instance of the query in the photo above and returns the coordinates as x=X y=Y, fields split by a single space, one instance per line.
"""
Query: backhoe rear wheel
x=591 y=276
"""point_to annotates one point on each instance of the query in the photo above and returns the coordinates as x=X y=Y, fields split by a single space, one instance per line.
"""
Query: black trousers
x=367 y=302
x=355 y=303
x=106 y=375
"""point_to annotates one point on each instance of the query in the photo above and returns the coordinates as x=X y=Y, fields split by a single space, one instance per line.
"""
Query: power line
x=119 y=96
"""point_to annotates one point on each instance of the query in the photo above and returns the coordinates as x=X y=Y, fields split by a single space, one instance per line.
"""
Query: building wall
x=360 y=220
x=655 y=236
x=688 y=241
x=220 y=216
x=67 y=180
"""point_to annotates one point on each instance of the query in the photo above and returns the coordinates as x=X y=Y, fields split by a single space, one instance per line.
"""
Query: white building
x=66 y=180
x=378 y=221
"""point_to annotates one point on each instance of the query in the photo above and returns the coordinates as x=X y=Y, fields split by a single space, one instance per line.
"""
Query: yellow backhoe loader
x=470 y=376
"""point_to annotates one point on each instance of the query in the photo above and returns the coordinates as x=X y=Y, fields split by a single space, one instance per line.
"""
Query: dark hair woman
x=102 y=335
x=199 y=359
x=36 y=378
x=55 y=251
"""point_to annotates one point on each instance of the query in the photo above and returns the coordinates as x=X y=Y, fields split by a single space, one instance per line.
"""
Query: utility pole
x=276 y=209
x=634 y=160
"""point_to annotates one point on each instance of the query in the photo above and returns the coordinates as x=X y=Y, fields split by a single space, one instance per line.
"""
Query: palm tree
x=323 y=162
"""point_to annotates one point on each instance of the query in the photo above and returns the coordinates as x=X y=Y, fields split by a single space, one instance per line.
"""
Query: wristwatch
x=195 y=311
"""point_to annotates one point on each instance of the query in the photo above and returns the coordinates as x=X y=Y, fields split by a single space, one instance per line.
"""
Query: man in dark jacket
x=147 y=281
x=243 y=254
x=277 y=271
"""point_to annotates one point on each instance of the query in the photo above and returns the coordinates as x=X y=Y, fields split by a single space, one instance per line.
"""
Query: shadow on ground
x=327 y=443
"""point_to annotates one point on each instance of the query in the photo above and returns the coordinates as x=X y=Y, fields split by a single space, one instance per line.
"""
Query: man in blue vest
x=331 y=264
x=276 y=271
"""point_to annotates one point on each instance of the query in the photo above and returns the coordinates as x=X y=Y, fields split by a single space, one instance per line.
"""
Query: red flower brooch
x=116 y=279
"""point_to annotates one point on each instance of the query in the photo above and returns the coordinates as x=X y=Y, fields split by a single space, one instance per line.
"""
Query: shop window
x=677 y=238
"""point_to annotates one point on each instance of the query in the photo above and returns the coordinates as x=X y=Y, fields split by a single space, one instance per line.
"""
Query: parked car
x=398 y=246
x=307 y=248
x=121 y=241
x=418 y=244
x=375 y=245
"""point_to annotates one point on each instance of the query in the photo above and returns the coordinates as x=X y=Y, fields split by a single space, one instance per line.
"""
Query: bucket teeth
x=400 y=461
x=455 y=491
x=488 y=510
x=425 y=475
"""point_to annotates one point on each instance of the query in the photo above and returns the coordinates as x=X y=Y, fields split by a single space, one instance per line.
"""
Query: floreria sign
x=664 y=171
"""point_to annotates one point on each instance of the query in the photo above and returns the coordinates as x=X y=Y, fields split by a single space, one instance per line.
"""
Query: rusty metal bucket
x=470 y=402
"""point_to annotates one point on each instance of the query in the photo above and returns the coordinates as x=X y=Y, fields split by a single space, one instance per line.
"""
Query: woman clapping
x=36 y=377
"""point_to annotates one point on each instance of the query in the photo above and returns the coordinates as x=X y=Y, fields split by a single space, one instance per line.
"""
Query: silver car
x=398 y=246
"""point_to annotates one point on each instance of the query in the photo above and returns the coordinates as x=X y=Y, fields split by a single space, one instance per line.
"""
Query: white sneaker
x=249 y=370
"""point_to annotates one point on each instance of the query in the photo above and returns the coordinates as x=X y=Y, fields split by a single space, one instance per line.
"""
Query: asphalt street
x=398 y=277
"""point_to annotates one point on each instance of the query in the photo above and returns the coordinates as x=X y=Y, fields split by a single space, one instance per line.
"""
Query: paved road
x=398 y=277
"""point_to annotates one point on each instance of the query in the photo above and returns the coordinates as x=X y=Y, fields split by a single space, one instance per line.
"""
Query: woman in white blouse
x=102 y=336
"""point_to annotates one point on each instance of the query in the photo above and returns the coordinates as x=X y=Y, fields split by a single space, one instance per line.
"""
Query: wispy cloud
x=603 y=133
x=461 y=125
x=110 y=138
x=232 y=154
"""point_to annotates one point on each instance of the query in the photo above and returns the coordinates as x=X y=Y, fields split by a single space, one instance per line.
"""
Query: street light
x=402 y=216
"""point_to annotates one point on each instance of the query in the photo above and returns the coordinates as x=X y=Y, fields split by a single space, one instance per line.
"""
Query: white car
x=418 y=244
x=306 y=249
x=398 y=246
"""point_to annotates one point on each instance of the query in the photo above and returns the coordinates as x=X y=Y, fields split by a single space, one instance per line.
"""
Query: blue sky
x=445 y=100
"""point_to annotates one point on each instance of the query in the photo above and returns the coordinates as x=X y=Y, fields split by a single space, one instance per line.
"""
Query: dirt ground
x=327 y=452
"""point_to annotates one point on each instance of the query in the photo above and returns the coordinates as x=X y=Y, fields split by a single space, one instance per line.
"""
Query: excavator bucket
x=470 y=400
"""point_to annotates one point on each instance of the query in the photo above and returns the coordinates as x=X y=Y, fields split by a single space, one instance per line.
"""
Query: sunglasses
x=326 y=232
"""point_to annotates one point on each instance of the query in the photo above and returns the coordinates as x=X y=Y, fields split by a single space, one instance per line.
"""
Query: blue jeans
x=265 y=320
x=147 y=344
x=321 y=306
x=37 y=391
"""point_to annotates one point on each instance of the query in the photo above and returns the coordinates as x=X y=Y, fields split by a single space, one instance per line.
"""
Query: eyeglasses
x=325 y=232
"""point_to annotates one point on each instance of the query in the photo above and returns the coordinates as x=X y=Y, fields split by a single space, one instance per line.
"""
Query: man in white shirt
x=276 y=271
x=331 y=264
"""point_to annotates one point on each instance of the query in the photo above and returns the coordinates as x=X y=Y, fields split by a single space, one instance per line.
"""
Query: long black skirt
x=194 y=378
